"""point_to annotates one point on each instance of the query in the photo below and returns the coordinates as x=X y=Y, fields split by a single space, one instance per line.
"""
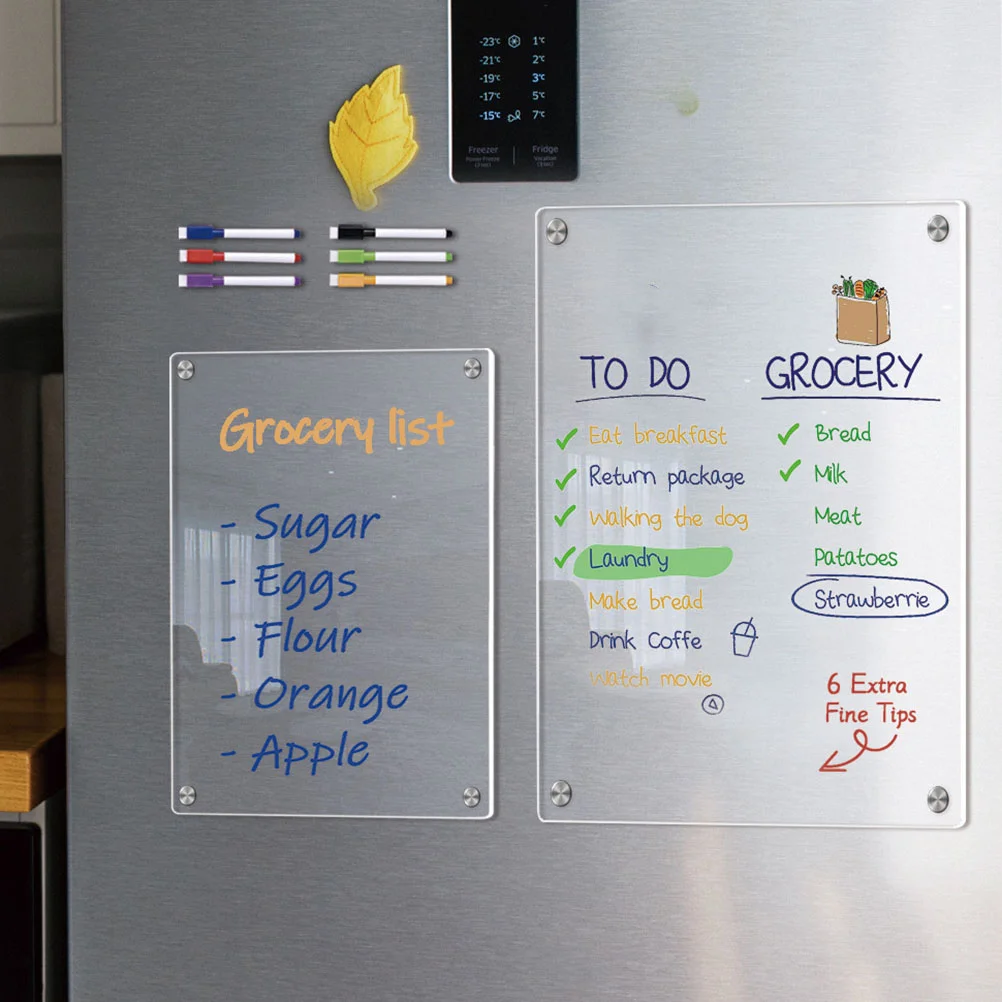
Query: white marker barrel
x=260 y=280
x=412 y=280
x=411 y=234
x=245 y=234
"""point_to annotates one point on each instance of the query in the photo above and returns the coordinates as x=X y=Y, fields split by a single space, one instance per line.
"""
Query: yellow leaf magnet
x=372 y=138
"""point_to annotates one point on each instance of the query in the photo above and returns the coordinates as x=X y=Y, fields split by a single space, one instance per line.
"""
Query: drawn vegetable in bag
x=858 y=289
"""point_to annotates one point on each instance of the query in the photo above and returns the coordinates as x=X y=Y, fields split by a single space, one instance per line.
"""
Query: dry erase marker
x=226 y=233
x=356 y=232
x=200 y=281
x=364 y=256
x=198 y=255
x=352 y=280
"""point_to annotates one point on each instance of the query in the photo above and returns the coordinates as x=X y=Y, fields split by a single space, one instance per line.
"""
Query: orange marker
x=359 y=280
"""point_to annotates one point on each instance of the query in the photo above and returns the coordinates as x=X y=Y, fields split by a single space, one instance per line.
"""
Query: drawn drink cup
x=743 y=638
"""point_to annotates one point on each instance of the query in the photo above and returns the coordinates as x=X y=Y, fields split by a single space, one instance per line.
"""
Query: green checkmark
x=786 y=474
x=560 y=561
x=562 y=442
x=783 y=439
x=563 y=483
x=560 y=519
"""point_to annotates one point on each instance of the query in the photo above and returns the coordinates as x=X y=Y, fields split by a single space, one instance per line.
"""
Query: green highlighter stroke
x=630 y=563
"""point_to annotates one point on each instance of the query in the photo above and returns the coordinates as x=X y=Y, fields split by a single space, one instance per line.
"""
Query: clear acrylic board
x=331 y=600
x=751 y=514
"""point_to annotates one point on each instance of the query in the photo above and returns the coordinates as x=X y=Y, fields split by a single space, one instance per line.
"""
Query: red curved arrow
x=859 y=736
x=839 y=766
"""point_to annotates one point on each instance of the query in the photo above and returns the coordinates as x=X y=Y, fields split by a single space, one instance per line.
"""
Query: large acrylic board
x=331 y=600
x=751 y=514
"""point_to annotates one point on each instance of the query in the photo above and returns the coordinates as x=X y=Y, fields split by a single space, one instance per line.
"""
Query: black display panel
x=514 y=78
x=20 y=913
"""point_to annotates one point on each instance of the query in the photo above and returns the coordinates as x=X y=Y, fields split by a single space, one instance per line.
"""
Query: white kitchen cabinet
x=30 y=101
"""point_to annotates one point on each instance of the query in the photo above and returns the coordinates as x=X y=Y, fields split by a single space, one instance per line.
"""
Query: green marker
x=359 y=256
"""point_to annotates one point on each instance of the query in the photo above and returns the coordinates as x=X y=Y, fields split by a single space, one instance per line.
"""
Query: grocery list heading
x=240 y=432
x=796 y=374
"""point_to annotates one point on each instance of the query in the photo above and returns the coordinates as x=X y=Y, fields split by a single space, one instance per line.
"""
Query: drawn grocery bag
x=862 y=312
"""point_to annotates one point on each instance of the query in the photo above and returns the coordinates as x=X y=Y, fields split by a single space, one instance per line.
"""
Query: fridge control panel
x=514 y=83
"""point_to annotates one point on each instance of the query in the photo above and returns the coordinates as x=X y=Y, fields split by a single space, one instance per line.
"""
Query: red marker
x=204 y=256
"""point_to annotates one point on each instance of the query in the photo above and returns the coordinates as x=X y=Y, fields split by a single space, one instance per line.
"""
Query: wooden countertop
x=32 y=730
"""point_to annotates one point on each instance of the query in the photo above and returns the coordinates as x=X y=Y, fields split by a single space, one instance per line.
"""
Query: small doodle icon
x=713 y=704
x=743 y=638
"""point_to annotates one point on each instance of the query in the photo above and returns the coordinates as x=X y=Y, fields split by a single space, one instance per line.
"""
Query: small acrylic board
x=332 y=603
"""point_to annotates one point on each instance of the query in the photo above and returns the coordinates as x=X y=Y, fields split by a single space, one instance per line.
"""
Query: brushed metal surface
x=842 y=104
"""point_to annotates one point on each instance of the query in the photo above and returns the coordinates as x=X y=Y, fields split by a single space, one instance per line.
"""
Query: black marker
x=357 y=232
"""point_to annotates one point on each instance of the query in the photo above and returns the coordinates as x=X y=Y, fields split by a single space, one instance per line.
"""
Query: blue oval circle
x=859 y=598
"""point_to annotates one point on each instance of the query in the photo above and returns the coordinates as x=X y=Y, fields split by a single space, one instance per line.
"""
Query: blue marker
x=217 y=233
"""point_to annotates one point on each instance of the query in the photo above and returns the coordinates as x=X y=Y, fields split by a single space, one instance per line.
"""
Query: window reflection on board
x=220 y=602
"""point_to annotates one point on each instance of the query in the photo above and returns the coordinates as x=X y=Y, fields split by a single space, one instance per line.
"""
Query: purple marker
x=206 y=281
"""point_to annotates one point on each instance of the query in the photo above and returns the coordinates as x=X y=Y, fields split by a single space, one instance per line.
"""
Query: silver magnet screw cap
x=185 y=369
x=471 y=796
x=938 y=800
x=472 y=368
x=560 y=793
x=938 y=228
x=556 y=231
x=186 y=795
